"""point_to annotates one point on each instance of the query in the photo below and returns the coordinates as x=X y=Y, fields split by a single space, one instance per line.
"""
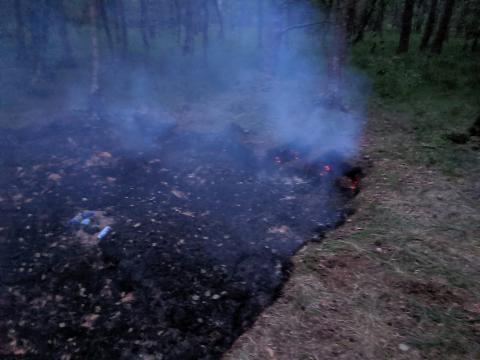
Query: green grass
x=457 y=335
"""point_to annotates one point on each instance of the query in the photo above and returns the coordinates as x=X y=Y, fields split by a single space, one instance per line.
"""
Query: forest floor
x=401 y=280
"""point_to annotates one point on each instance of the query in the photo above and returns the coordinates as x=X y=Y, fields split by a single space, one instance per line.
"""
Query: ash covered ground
x=202 y=234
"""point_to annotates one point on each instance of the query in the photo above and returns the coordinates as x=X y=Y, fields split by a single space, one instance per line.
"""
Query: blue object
x=82 y=218
x=104 y=232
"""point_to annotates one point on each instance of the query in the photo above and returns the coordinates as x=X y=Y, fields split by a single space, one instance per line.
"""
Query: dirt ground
x=399 y=281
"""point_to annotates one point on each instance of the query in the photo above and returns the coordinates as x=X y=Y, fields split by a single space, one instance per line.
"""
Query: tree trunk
x=336 y=58
x=189 y=30
x=475 y=42
x=218 y=11
x=260 y=22
x=94 y=83
x=144 y=24
x=406 y=30
x=432 y=18
x=116 y=22
x=443 y=27
x=123 y=25
x=205 y=23
x=378 y=27
x=420 y=16
x=460 y=26
x=102 y=12
x=367 y=15
x=39 y=17
x=95 y=58
x=19 y=30
x=178 y=19
x=64 y=35
x=351 y=15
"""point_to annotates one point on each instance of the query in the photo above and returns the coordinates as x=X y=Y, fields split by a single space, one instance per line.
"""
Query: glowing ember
x=354 y=185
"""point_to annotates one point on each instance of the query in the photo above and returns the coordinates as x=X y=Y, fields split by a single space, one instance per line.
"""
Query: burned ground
x=203 y=232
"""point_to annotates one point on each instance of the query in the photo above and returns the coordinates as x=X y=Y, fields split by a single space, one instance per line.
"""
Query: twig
x=302 y=26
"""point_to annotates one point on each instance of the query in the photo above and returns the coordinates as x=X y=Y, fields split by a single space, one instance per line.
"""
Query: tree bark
x=64 y=35
x=205 y=24
x=178 y=19
x=443 y=27
x=123 y=25
x=102 y=12
x=189 y=30
x=95 y=57
x=351 y=15
x=406 y=29
x=218 y=11
x=367 y=15
x=420 y=15
x=378 y=27
x=475 y=41
x=432 y=19
x=260 y=22
x=116 y=22
x=20 y=30
x=39 y=17
x=144 y=24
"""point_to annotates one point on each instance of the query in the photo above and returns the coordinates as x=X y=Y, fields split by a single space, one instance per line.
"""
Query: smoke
x=277 y=68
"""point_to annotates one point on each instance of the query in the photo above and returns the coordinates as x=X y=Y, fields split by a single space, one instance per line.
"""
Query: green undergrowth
x=438 y=94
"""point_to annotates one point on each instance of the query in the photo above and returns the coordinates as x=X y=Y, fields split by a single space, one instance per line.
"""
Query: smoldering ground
x=212 y=149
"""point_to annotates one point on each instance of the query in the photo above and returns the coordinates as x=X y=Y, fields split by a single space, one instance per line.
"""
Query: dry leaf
x=183 y=212
x=271 y=353
x=179 y=194
x=279 y=230
x=55 y=177
x=127 y=298
x=89 y=320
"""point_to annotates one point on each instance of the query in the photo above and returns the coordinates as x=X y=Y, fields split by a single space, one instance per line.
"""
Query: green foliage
x=439 y=94
x=402 y=77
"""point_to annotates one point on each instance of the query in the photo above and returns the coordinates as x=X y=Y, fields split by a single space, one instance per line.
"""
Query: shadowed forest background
x=70 y=53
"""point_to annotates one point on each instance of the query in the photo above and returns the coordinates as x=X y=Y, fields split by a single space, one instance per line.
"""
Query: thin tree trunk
x=420 y=16
x=123 y=25
x=65 y=35
x=19 y=30
x=94 y=84
x=475 y=41
x=443 y=27
x=460 y=26
x=39 y=17
x=144 y=23
x=153 y=22
x=351 y=15
x=260 y=22
x=367 y=15
x=336 y=58
x=189 y=30
x=432 y=19
x=397 y=15
x=102 y=12
x=218 y=11
x=378 y=27
x=406 y=30
x=178 y=19
x=206 y=20
x=116 y=22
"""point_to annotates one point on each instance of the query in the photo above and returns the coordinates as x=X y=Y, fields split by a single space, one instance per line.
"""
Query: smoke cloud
x=277 y=68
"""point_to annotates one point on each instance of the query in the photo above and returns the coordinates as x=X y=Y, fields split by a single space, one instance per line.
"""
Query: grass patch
x=457 y=333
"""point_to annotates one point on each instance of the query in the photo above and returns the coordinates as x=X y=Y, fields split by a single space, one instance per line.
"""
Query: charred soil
x=202 y=235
